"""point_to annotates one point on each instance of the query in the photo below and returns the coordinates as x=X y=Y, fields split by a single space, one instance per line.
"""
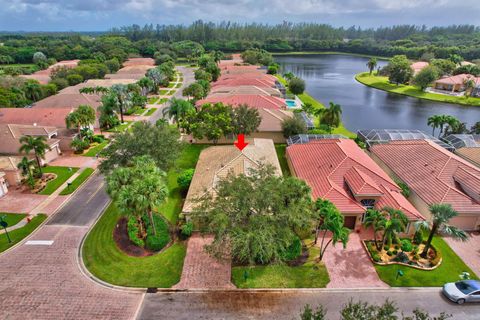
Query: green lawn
x=171 y=85
x=93 y=151
x=178 y=85
x=306 y=98
x=19 y=234
x=449 y=271
x=104 y=260
x=152 y=100
x=382 y=83
x=77 y=182
x=163 y=92
x=309 y=275
x=150 y=112
x=188 y=159
x=12 y=218
x=63 y=174
x=121 y=127
x=163 y=100
x=282 y=158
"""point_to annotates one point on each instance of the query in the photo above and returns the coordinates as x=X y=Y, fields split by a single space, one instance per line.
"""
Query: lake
x=330 y=77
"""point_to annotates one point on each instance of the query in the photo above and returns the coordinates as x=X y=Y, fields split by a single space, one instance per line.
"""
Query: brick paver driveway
x=350 y=267
x=45 y=281
x=468 y=251
x=18 y=202
x=201 y=271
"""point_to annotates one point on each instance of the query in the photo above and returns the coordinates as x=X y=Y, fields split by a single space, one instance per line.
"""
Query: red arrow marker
x=240 y=143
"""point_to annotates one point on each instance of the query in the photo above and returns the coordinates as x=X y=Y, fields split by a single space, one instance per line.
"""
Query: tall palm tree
x=146 y=85
x=434 y=121
x=372 y=64
x=123 y=99
x=25 y=167
x=376 y=220
x=37 y=145
x=469 y=85
x=72 y=120
x=331 y=116
x=441 y=214
x=178 y=109
x=32 y=90
x=396 y=222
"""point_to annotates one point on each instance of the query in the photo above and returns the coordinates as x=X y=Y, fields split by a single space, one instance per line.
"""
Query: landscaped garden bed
x=404 y=253
x=61 y=174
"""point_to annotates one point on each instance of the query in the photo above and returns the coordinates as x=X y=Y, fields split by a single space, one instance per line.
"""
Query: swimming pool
x=291 y=103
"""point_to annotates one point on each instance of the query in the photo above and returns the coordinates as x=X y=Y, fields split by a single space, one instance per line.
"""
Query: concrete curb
x=50 y=216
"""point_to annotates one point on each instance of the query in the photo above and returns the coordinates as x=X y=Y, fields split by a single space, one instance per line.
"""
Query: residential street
x=287 y=305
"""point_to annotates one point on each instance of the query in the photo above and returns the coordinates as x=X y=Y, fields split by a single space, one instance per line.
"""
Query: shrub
x=272 y=69
x=395 y=251
x=418 y=237
x=407 y=245
x=293 y=126
x=98 y=138
x=376 y=257
x=187 y=229
x=74 y=79
x=437 y=258
x=79 y=145
x=404 y=187
x=397 y=247
x=185 y=178
x=294 y=250
x=160 y=240
x=389 y=253
x=132 y=230
x=296 y=85
x=401 y=257
x=386 y=248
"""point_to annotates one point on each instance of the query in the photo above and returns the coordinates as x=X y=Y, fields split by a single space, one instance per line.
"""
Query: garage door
x=464 y=222
x=350 y=222
x=51 y=155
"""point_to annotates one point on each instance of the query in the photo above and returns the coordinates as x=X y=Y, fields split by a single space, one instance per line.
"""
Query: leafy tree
x=257 y=56
x=178 y=109
x=254 y=215
x=296 y=85
x=83 y=117
x=377 y=221
x=293 y=126
x=205 y=85
x=36 y=144
x=108 y=118
x=162 y=58
x=39 y=57
x=425 y=77
x=331 y=221
x=213 y=69
x=138 y=188
x=113 y=65
x=33 y=90
x=372 y=64
x=211 y=122
x=160 y=142
x=273 y=68
x=456 y=58
x=194 y=90
x=146 y=85
x=469 y=85
x=245 y=119
x=441 y=215
x=331 y=116
x=157 y=78
x=185 y=178
x=396 y=223
x=26 y=166
x=168 y=69
x=201 y=74
x=399 y=70
x=444 y=66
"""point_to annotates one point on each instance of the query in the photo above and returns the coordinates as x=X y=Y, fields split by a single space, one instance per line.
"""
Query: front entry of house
x=350 y=222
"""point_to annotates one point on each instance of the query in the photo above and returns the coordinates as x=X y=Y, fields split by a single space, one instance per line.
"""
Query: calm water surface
x=331 y=78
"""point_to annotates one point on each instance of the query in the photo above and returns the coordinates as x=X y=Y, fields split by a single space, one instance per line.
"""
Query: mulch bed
x=120 y=235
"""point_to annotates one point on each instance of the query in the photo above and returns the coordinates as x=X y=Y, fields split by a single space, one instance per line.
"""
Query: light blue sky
x=92 y=15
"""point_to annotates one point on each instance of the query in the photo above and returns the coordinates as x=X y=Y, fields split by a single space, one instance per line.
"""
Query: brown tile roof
x=31 y=116
x=459 y=79
x=252 y=100
x=272 y=119
x=217 y=162
x=470 y=154
x=430 y=171
x=238 y=90
x=139 y=61
x=10 y=135
x=69 y=100
x=9 y=163
x=336 y=169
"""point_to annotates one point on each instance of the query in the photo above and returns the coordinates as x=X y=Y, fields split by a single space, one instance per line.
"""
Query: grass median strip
x=77 y=182
x=19 y=234
x=12 y=218
x=93 y=151
x=150 y=112
x=63 y=174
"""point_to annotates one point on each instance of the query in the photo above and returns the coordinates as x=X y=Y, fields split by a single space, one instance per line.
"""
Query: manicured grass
x=77 y=182
x=152 y=100
x=93 y=151
x=163 y=92
x=188 y=159
x=178 y=85
x=18 y=235
x=63 y=174
x=163 y=100
x=329 y=52
x=282 y=158
x=150 y=112
x=306 y=98
x=12 y=218
x=139 y=111
x=171 y=85
x=312 y=274
x=382 y=83
x=120 y=128
x=448 y=271
x=104 y=260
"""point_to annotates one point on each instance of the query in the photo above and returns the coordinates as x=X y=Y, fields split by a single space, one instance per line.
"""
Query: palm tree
x=372 y=64
x=37 y=145
x=32 y=90
x=396 y=222
x=123 y=99
x=469 y=85
x=376 y=220
x=146 y=85
x=25 y=166
x=434 y=121
x=330 y=221
x=441 y=214
x=331 y=116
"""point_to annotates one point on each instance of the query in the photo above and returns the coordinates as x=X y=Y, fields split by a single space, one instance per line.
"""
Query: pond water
x=330 y=77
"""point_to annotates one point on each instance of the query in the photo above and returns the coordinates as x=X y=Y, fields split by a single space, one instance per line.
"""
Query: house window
x=368 y=203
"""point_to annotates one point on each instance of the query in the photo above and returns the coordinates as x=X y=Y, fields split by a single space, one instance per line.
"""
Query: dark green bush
x=401 y=257
x=376 y=257
x=187 y=229
x=160 y=240
x=132 y=229
x=386 y=248
x=395 y=251
x=389 y=253
x=407 y=245
x=296 y=85
x=185 y=178
x=418 y=237
x=98 y=138
x=294 y=250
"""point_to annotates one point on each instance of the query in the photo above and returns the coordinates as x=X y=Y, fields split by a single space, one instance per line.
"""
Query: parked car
x=463 y=291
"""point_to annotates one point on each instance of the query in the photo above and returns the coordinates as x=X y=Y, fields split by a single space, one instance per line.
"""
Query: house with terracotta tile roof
x=216 y=162
x=434 y=175
x=338 y=170
x=252 y=100
x=455 y=83
x=223 y=90
x=418 y=66
x=12 y=175
x=10 y=135
x=43 y=76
